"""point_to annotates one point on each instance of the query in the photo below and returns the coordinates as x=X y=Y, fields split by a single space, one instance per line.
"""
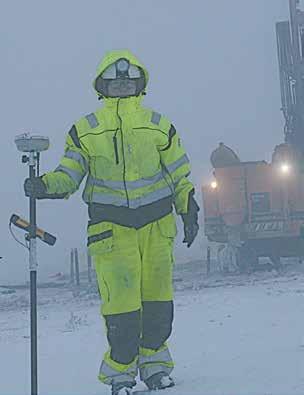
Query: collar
x=123 y=105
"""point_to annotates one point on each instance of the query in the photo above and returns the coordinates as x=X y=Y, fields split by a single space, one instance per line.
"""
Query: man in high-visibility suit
x=137 y=172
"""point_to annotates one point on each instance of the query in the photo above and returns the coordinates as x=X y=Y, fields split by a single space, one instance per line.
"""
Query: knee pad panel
x=157 y=318
x=123 y=333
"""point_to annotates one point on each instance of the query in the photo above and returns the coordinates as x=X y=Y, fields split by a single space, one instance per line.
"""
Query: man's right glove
x=36 y=188
x=191 y=221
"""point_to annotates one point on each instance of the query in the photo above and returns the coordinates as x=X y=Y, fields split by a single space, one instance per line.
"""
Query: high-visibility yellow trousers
x=134 y=272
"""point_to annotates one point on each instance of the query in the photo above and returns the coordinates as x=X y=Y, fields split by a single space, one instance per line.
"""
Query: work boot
x=124 y=388
x=159 y=381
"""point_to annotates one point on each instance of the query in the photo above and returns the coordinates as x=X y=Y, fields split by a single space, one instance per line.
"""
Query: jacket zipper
x=116 y=148
x=123 y=153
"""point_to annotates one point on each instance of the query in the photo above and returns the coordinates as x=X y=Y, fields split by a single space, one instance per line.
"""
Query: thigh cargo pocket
x=167 y=226
x=100 y=238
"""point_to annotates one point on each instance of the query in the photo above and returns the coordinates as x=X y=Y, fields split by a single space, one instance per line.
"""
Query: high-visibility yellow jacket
x=135 y=164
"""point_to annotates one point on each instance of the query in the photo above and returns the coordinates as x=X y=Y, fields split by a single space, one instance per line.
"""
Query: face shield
x=121 y=79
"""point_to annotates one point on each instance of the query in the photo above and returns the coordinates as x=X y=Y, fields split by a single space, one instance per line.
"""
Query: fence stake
x=89 y=268
x=72 y=273
x=77 y=266
x=208 y=259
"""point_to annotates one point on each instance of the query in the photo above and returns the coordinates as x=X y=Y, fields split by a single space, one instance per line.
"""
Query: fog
x=214 y=73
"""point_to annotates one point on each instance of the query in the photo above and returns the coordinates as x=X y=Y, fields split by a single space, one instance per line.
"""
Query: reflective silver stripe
x=152 y=197
x=75 y=175
x=156 y=117
x=111 y=376
x=107 y=370
x=105 y=198
x=158 y=357
x=77 y=157
x=92 y=119
x=147 y=371
x=158 y=362
x=130 y=185
x=142 y=182
x=179 y=163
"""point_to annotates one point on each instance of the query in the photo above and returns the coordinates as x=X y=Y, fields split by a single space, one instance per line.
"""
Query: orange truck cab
x=256 y=205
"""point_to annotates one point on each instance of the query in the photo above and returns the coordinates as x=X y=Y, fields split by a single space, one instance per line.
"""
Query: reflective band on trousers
x=77 y=158
x=159 y=362
x=105 y=198
x=141 y=183
x=147 y=371
x=75 y=175
x=158 y=357
x=108 y=375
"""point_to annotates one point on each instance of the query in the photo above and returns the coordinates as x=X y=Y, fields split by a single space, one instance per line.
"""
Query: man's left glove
x=36 y=188
x=191 y=221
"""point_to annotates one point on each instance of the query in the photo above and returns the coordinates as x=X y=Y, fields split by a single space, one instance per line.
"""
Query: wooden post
x=208 y=259
x=77 y=267
x=72 y=272
x=89 y=268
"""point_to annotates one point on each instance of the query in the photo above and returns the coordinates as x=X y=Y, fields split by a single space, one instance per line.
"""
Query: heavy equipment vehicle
x=256 y=209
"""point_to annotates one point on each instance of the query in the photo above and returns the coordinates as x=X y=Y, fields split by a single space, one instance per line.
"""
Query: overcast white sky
x=213 y=69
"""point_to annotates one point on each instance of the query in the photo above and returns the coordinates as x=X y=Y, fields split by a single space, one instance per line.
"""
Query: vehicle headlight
x=213 y=185
x=285 y=168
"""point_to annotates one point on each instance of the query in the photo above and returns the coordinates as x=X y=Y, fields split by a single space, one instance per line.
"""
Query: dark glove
x=191 y=221
x=36 y=188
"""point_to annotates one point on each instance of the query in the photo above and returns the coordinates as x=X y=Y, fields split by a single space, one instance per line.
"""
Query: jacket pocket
x=100 y=238
x=167 y=226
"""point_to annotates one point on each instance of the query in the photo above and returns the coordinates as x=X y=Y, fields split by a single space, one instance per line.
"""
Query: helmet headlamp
x=122 y=66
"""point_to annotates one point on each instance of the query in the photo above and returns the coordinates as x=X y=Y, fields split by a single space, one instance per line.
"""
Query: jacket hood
x=112 y=56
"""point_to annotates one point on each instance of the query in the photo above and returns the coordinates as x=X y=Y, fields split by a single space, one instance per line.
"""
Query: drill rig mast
x=290 y=44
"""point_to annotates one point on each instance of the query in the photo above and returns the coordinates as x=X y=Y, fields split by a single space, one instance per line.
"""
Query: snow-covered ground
x=233 y=335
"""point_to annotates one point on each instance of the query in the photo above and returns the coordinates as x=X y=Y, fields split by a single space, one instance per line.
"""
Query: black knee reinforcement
x=123 y=333
x=157 y=318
